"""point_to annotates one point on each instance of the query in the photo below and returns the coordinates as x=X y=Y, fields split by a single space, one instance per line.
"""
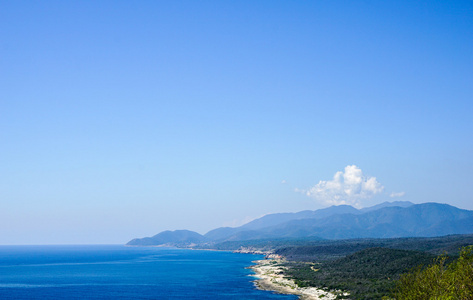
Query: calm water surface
x=119 y=272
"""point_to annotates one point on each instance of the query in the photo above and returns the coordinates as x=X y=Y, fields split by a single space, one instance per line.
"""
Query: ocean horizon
x=123 y=272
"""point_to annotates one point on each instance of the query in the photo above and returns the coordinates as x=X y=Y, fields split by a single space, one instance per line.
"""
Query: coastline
x=269 y=274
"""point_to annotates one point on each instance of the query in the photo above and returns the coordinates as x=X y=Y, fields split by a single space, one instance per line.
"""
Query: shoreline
x=269 y=274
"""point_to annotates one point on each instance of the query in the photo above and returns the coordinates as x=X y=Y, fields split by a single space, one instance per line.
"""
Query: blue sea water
x=119 y=272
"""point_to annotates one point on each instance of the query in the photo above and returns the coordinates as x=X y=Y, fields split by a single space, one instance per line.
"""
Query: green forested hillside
x=329 y=250
x=440 y=280
x=367 y=274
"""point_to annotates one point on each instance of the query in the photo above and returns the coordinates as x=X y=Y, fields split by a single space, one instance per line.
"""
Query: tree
x=439 y=281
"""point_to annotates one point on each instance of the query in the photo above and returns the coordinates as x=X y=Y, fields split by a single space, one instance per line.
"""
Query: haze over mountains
x=386 y=220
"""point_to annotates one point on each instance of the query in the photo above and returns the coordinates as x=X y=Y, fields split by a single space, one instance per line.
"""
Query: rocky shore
x=269 y=274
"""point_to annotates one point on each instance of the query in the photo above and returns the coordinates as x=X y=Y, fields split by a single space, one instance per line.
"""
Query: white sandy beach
x=270 y=277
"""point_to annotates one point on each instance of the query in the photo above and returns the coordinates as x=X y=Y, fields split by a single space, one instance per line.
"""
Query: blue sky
x=122 y=119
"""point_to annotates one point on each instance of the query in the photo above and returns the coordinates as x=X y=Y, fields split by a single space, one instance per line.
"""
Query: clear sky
x=120 y=119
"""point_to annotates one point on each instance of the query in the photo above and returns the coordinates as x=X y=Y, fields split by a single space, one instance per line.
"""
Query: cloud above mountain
x=347 y=187
x=395 y=195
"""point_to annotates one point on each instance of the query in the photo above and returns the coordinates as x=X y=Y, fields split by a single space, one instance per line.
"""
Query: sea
x=120 y=272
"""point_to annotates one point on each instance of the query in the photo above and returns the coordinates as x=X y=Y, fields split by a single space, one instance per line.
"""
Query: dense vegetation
x=329 y=250
x=440 y=280
x=368 y=274
x=370 y=268
x=310 y=249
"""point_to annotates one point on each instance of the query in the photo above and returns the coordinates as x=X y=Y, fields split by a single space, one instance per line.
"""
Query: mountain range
x=386 y=220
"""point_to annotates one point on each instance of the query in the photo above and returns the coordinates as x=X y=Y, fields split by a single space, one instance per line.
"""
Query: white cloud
x=283 y=181
x=348 y=187
x=394 y=195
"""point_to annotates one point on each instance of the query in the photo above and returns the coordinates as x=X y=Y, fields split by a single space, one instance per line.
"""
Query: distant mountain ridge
x=422 y=220
x=386 y=220
x=269 y=220
x=172 y=238
x=227 y=233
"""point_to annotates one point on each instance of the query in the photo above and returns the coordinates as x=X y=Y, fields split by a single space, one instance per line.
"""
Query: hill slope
x=388 y=220
x=173 y=238
x=252 y=230
x=421 y=220
x=367 y=274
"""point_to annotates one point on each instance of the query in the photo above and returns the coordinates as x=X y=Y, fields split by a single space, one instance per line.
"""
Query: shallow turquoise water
x=119 y=272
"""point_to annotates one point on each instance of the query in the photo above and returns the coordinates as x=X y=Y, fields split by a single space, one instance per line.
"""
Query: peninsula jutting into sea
x=340 y=251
